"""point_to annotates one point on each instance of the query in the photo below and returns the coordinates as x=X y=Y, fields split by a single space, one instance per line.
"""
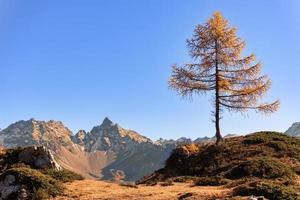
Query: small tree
x=218 y=66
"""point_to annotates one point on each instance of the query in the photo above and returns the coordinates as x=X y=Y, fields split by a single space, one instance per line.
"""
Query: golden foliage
x=190 y=148
x=218 y=66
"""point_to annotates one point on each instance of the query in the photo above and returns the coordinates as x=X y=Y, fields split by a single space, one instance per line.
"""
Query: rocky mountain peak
x=33 y=132
x=107 y=122
x=79 y=137
x=110 y=136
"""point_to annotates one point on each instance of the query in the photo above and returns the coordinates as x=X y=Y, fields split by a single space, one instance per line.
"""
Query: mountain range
x=104 y=152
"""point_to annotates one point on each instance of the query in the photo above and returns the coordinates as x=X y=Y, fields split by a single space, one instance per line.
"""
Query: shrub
x=191 y=148
x=210 y=181
x=267 y=189
x=278 y=145
x=63 y=175
x=297 y=169
x=40 y=194
x=261 y=167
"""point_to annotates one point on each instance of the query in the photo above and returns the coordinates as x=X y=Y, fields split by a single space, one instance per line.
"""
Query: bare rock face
x=38 y=157
x=111 y=137
x=51 y=134
x=79 y=137
x=294 y=130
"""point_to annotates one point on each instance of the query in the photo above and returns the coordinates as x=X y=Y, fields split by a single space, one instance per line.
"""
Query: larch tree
x=218 y=66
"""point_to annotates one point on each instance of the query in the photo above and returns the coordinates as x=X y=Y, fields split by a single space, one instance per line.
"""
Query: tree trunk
x=217 y=123
x=217 y=103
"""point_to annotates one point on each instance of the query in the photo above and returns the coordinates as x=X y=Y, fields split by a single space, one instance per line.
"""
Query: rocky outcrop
x=80 y=138
x=38 y=158
x=110 y=137
x=9 y=188
x=19 y=171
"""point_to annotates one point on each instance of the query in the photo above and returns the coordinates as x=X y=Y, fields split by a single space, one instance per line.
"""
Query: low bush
x=210 y=181
x=278 y=145
x=261 y=167
x=264 y=137
x=40 y=194
x=297 y=169
x=269 y=190
x=63 y=175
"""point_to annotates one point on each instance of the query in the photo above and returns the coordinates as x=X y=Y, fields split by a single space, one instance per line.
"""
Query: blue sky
x=79 y=61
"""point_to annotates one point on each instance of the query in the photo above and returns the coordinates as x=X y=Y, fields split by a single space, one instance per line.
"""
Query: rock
x=118 y=175
x=79 y=137
x=51 y=134
x=294 y=130
x=38 y=157
x=7 y=187
x=22 y=194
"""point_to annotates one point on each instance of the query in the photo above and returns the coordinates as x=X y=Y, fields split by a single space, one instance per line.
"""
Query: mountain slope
x=130 y=152
x=294 y=130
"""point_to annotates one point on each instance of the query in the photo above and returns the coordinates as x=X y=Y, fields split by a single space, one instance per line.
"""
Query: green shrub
x=266 y=136
x=267 y=189
x=63 y=175
x=210 y=181
x=261 y=167
x=278 y=145
x=40 y=194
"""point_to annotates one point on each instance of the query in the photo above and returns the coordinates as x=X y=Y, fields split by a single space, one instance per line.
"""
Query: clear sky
x=78 y=61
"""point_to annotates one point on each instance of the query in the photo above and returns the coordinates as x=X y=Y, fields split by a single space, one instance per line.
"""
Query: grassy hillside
x=261 y=164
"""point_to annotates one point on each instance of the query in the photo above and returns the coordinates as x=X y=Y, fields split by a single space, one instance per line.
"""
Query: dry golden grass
x=100 y=190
